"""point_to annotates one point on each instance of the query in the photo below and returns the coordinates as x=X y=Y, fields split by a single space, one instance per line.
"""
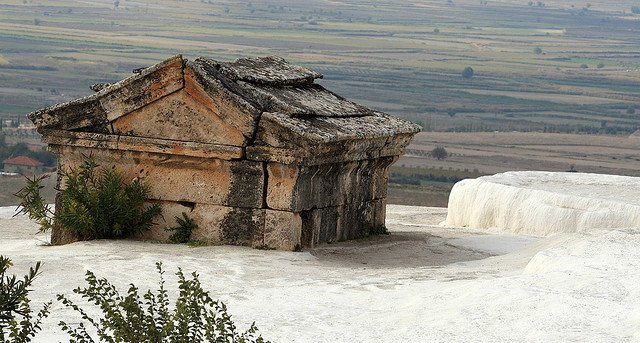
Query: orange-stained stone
x=179 y=117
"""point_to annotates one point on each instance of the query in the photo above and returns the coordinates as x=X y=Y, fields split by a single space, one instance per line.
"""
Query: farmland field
x=556 y=66
x=417 y=178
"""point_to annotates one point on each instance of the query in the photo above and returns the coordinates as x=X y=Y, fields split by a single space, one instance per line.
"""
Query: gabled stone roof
x=113 y=101
x=285 y=113
x=273 y=85
x=270 y=70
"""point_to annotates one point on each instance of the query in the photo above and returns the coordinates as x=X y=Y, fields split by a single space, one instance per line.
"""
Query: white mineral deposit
x=521 y=257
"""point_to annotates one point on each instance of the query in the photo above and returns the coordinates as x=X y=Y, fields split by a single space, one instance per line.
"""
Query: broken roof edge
x=329 y=130
x=88 y=110
x=217 y=83
x=269 y=70
x=339 y=152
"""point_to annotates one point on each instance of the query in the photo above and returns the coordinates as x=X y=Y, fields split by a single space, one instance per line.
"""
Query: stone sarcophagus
x=254 y=150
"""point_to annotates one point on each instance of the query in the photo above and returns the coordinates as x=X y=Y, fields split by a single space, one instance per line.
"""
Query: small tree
x=467 y=73
x=537 y=50
x=440 y=153
x=631 y=109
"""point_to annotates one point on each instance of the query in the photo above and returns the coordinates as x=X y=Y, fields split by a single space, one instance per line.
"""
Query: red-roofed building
x=23 y=165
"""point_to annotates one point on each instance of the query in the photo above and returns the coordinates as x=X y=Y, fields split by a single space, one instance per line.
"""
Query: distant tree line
x=417 y=179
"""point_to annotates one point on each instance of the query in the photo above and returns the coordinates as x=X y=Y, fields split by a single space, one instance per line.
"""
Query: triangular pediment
x=179 y=117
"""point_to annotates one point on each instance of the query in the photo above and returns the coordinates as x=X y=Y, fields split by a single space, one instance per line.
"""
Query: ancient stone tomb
x=253 y=150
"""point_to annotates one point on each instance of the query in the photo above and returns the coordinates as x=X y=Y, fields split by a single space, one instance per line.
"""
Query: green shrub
x=93 y=205
x=17 y=321
x=184 y=229
x=196 y=317
x=33 y=204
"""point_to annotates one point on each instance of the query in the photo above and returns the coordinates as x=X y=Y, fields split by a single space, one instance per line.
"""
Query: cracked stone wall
x=252 y=203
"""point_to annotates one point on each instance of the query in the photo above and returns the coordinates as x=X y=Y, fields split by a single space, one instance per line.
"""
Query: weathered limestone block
x=139 y=90
x=338 y=223
x=228 y=225
x=269 y=70
x=188 y=149
x=141 y=144
x=297 y=188
x=84 y=139
x=381 y=177
x=320 y=225
x=380 y=214
x=221 y=98
x=247 y=184
x=243 y=226
x=282 y=230
x=283 y=138
x=178 y=117
x=170 y=210
x=217 y=225
x=369 y=181
x=83 y=112
x=396 y=146
x=179 y=178
x=282 y=183
x=356 y=219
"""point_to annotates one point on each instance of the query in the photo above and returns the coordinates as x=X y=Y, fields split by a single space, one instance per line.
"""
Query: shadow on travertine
x=400 y=249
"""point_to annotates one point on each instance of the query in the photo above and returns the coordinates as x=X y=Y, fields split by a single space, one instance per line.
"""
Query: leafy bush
x=196 y=317
x=184 y=229
x=17 y=321
x=93 y=205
